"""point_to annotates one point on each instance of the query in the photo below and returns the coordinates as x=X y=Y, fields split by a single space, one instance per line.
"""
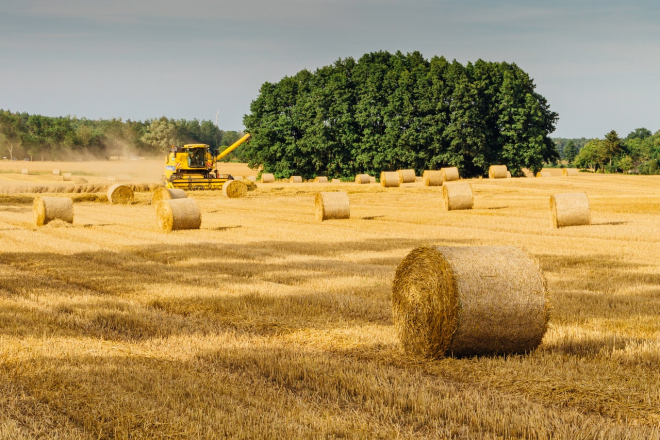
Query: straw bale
x=57 y=172
x=362 y=179
x=238 y=177
x=176 y=214
x=66 y=177
x=372 y=179
x=320 y=179
x=508 y=174
x=120 y=194
x=466 y=301
x=406 y=176
x=432 y=178
x=389 y=179
x=47 y=209
x=234 y=189
x=25 y=171
x=295 y=179
x=569 y=209
x=449 y=174
x=332 y=205
x=543 y=174
x=566 y=172
x=267 y=178
x=457 y=196
x=252 y=178
x=167 y=194
x=497 y=172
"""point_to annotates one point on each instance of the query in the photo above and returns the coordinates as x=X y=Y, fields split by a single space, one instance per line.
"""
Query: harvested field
x=266 y=323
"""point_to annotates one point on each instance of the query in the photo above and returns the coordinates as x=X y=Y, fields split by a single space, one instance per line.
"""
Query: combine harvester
x=193 y=167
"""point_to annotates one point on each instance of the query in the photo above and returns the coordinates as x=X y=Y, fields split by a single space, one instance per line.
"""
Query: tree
x=639 y=133
x=625 y=163
x=570 y=151
x=612 y=145
x=161 y=135
x=592 y=155
x=10 y=131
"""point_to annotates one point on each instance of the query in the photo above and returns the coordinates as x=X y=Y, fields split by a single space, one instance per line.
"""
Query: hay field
x=267 y=323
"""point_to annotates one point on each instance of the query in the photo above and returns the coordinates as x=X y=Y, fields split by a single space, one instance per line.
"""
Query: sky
x=596 y=61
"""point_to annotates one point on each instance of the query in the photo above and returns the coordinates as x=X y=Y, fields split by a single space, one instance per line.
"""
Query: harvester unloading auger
x=193 y=166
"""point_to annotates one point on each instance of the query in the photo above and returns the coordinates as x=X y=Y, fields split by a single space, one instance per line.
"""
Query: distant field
x=266 y=323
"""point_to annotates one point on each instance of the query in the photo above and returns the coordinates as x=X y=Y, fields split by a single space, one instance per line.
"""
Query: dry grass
x=265 y=323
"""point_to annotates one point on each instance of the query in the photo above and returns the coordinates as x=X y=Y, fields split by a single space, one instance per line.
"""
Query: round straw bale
x=57 y=172
x=508 y=174
x=570 y=209
x=252 y=178
x=167 y=194
x=295 y=179
x=466 y=301
x=25 y=171
x=497 y=172
x=120 y=194
x=432 y=178
x=320 y=179
x=362 y=179
x=449 y=174
x=66 y=177
x=267 y=178
x=238 y=177
x=234 y=189
x=178 y=214
x=335 y=181
x=566 y=172
x=332 y=205
x=47 y=209
x=372 y=179
x=406 y=176
x=389 y=179
x=543 y=174
x=457 y=196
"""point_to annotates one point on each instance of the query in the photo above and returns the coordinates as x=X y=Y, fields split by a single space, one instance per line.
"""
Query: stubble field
x=265 y=323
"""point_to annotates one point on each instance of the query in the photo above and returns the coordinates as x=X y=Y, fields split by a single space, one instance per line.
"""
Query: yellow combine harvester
x=194 y=167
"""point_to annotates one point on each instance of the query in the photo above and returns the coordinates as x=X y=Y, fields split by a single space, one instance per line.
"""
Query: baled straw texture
x=47 y=209
x=120 y=194
x=234 y=189
x=25 y=171
x=362 y=179
x=497 y=172
x=267 y=178
x=406 y=176
x=320 y=179
x=432 y=178
x=335 y=181
x=295 y=179
x=66 y=177
x=450 y=173
x=570 y=209
x=372 y=179
x=566 y=172
x=508 y=174
x=238 y=177
x=457 y=196
x=167 y=194
x=544 y=174
x=57 y=172
x=252 y=178
x=177 y=214
x=465 y=301
x=389 y=179
x=332 y=205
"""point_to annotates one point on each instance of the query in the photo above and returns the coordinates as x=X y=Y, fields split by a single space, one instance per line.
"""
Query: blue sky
x=597 y=62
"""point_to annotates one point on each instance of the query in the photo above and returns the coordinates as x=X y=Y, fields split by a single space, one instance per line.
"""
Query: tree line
x=38 y=137
x=390 y=111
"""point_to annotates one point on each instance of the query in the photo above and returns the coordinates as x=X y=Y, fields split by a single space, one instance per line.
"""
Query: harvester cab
x=193 y=166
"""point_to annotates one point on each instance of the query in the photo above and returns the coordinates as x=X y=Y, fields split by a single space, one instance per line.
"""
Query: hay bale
x=25 y=171
x=497 y=172
x=120 y=194
x=543 y=174
x=466 y=301
x=47 y=209
x=567 y=172
x=57 y=172
x=457 y=196
x=167 y=194
x=238 y=177
x=389 y=179
x=449 y=174
x=252 y=178
x=66 y=177
x=362 y=179
x=406 y=176
x=177 y=214
x=234 y=189
x=320 y=179
x=332 y=205
x=372 y=179
x=508 y=174
x=570 y=209
x=267 y=178
x=433 y=178
x=295 y=179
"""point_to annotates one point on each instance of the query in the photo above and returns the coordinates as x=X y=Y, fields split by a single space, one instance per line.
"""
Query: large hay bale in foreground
x=177 y=214
x=465 y=301
x=66 y=177
x=569 y=209
x=332 y=205
x=544 y=174
x=457 y=196
x=47 y=209
x=57 y=172
x=295 y=179
x=320 y=179
x=432 y=178
x=406 y=176
x=163 y=193
x=120 y=194
x=362 y=179
x=25 y=171
x=566 y=172
x=267 y=178
x=450 y=173
x=389 y=179
x=234 y=189
x=497 y=172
